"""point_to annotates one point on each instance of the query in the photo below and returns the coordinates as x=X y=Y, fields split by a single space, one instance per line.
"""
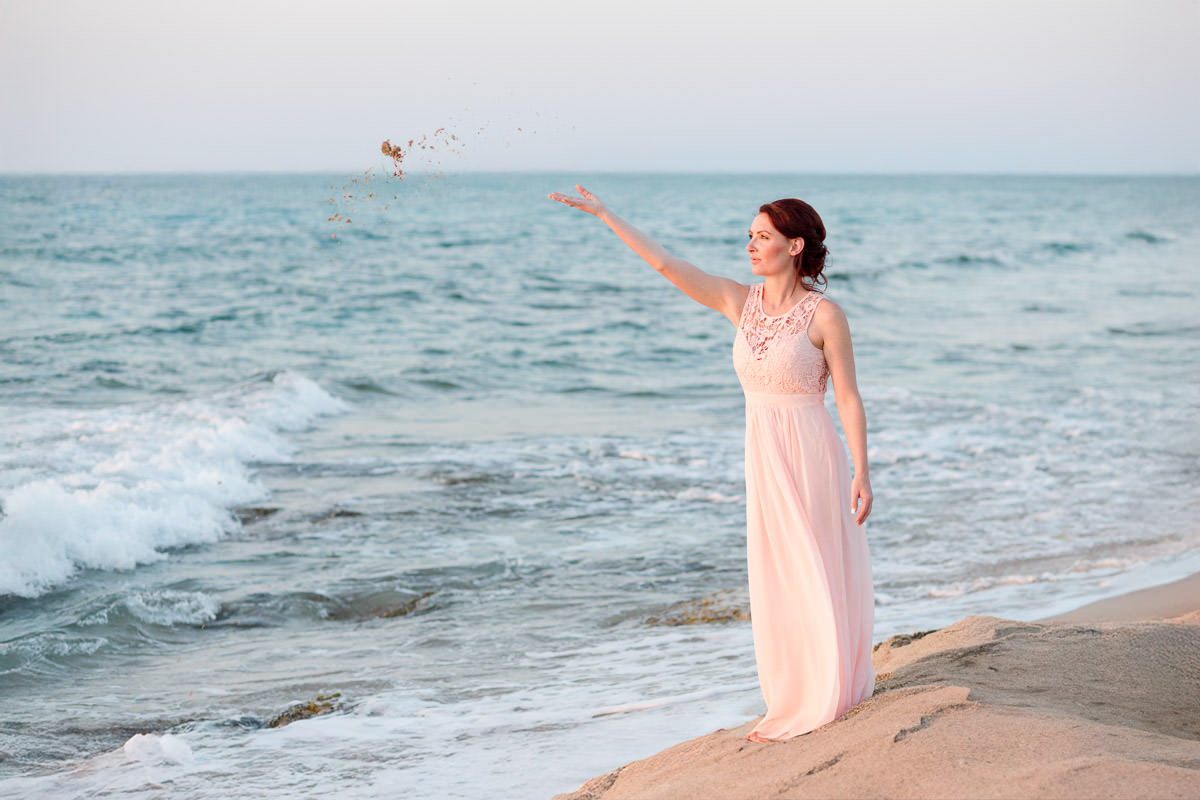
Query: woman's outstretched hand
x=585 y=202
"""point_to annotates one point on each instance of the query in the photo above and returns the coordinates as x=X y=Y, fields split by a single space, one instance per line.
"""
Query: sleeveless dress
x=811 y=598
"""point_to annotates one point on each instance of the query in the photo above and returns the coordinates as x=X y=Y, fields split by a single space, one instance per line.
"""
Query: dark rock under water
x=321 y=704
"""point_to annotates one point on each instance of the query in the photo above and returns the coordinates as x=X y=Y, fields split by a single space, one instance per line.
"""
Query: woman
x=811 y=599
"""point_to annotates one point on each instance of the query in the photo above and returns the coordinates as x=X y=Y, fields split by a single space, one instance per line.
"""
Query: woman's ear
x=797 y=247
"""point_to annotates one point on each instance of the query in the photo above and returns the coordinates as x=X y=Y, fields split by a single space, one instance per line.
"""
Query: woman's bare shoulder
x=828 y=320
x=828 y=310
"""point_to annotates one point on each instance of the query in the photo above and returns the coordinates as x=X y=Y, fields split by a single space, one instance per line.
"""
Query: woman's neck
x=780 y=290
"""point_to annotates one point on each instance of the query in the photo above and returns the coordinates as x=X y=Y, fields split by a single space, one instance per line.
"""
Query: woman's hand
x=585 y=202
x=861 y=498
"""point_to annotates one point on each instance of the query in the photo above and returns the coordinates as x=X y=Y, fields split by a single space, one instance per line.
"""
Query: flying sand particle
x=441 y=139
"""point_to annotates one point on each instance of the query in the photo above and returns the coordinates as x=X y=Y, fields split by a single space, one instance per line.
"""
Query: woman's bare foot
x=754 y=737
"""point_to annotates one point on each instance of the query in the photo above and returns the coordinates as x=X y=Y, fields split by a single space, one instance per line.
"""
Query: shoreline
x=1100 y=702
x=1161 y=601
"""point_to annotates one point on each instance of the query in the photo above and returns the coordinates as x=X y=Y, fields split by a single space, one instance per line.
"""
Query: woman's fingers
x=586 y=203
x=566 y=199
x=865 y=510
x=861 y=499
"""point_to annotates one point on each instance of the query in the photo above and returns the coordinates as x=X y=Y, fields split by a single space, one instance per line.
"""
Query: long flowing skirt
x=811 y=598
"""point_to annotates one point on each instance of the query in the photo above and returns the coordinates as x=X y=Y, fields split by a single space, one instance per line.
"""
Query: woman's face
x=770 y=251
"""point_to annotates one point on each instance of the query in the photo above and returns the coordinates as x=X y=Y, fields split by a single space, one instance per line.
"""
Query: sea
x=347 y=485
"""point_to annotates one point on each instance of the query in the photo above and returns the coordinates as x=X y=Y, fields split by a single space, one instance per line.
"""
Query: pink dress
x=811 y=600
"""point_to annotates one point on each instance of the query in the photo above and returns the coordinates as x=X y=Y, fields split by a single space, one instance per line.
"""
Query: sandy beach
x=1100 y=702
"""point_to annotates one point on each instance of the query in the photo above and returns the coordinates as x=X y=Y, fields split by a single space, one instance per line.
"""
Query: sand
x=1102 y=702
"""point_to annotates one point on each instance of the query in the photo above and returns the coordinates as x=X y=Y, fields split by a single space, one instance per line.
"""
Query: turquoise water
x=450 y=462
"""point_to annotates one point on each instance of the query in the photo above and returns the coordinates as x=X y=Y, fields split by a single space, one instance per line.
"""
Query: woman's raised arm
x=722 y=294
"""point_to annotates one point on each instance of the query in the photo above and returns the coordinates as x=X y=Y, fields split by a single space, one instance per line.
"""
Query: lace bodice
x=774 y=354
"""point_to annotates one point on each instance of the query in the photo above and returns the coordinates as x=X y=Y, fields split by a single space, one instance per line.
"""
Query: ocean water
x=446 y=467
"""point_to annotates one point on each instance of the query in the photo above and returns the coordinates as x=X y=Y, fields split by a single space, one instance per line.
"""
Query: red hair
x=796 y=219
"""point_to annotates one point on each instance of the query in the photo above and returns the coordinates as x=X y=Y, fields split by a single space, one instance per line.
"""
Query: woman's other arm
x=833 y=331
x=722 y=294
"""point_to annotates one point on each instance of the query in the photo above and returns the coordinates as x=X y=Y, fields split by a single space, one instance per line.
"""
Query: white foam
x=169 y=607
x=158 y=749
x=113 y=488
x=697 y=493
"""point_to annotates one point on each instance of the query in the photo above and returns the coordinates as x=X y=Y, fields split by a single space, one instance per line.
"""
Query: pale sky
x=1029 y=86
